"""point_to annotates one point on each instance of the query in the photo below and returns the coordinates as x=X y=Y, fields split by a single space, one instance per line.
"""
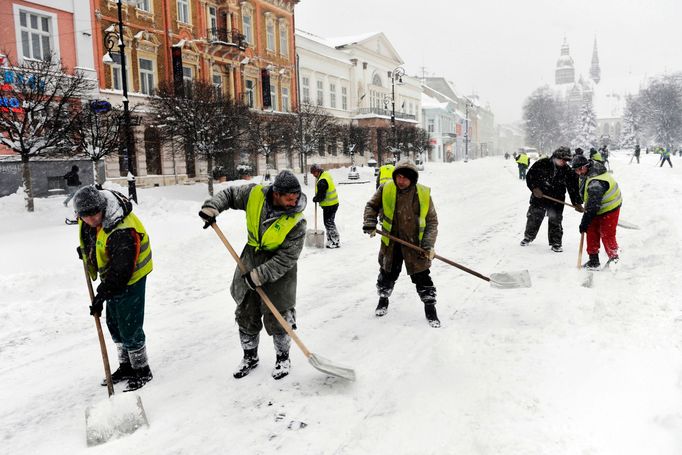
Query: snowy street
x=557 y=368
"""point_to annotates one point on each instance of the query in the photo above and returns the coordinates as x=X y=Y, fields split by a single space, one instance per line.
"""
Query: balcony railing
x=384 y=112
x=227 y=37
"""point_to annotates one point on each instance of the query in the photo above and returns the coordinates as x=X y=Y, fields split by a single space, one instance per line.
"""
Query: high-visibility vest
x=523 y=159
x=611 y=199
x=388 y=199
x=331 y=198
x=386 y=173
x=143 y=262
x=275 y=234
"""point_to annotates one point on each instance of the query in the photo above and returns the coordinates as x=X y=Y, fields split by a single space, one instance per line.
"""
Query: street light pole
x=112 y=39
x=398 y=73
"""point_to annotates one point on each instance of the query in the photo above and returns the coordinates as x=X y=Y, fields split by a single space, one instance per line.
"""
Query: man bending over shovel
x=276 y=232
x=408 y=213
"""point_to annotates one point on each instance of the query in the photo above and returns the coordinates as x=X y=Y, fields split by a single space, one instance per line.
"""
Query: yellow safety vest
x=611 y=199
x=597 y=157
x=388 y=198
x=143 y=264
x=331 y=198
x=386 y=173
x=523 y=159
x=275 y=234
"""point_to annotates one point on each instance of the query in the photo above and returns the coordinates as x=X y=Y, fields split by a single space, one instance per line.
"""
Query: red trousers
x=603 y=227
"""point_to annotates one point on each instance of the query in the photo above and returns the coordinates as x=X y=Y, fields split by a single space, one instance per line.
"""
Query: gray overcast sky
x=504 y=49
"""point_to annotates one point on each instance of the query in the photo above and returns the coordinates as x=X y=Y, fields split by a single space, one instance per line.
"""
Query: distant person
x=506 y=155
x=579 y=151
x=636 y=153
x=73 y=183
x=326 y=196
x=385 y=172
x=605 y=156
x=523 y=161
x=665 y=156
x=595 y=155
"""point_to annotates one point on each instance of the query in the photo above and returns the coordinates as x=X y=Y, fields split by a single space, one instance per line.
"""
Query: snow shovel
x=502 y=280
x=319 y=363
x=314 y=238
x=120 y=414
x=621 y=223
x=587 y=282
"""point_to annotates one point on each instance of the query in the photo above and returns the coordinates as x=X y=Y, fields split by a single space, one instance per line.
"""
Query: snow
x=553 y=369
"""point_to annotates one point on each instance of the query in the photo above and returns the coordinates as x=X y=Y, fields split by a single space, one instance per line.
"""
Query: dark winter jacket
x=554 y=181
x=595 y=192
x=321 y=192
x=121 y=245
x=638 y=150
x=405 y=225
x=276 y=269
x=72 y=179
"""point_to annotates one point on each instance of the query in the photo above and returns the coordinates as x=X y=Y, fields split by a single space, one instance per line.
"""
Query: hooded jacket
x=595 y=192
x=405 y=223
x=277 y=269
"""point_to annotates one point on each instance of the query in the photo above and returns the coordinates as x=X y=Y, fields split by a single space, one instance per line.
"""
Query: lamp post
x=398 y=74
x=111 y=40
x=466 y=130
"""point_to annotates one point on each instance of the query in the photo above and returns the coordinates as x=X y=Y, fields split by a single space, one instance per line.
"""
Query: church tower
x=565 y=71
x=595 y=71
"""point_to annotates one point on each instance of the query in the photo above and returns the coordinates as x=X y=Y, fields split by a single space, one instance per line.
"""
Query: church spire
x=595 y=71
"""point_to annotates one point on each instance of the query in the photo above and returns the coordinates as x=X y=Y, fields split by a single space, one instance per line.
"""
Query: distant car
x=420 y=165
x=353 y=174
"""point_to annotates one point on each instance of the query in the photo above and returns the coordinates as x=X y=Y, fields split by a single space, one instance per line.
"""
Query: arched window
x=376 y=80
x=152 y=151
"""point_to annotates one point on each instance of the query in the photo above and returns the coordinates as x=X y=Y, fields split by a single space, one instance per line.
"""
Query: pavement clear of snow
x=553 y=369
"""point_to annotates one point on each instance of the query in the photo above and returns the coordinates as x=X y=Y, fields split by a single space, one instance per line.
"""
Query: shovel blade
x=510 y=280
x=117 y=416
x=314 y=238
x=331 y=368
x=624 y=224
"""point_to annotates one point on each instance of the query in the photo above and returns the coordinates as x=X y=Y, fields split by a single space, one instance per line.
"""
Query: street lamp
x=111 y=40
x=398 y=74
x=466 y=130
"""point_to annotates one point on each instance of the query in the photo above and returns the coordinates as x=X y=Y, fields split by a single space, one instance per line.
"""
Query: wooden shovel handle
x=423 y=251
x=100 y=335
x=580 y=250
x=242 y=268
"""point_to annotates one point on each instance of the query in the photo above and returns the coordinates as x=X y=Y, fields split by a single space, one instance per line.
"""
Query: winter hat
x=286 y=182
x=563 y=153
x=579 y=151
x=316 y=168
x=407 y=169
x=579 y=161
x=88 y=201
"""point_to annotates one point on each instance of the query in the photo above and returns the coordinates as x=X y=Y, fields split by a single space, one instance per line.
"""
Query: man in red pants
x=602 y=199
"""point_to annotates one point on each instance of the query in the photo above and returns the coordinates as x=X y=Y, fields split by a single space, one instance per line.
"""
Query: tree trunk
x=99 y=174
x=209 y=171
x=26 y=180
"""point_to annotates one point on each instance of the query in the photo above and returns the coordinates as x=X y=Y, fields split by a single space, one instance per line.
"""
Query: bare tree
x=542 y=119
x=97 y=134
x=268 y=133
x=203 y=118
x=315 y=128
x=661 y=107
x=355 y=140
x=40 y=105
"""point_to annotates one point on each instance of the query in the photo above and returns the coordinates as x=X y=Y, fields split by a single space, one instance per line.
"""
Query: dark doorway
x=152 y=151
x=189 y=160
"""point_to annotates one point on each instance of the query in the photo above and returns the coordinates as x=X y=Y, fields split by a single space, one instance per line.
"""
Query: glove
x=579 y=208
x=429 y=253
x=370 y=230
x=583 y=227
x=317 y=199
x=537 y=192
x=79 y=252
x=252 y=280
x=208 y=214
x=97 y=305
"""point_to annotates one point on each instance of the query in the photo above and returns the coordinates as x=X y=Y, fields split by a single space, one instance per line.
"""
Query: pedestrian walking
x=326 y=196
x=636 y=153
x=603 y=200
x=408 y=213
x=276 y=234
x=73 y=183
x=115 y=245
x=550 y=177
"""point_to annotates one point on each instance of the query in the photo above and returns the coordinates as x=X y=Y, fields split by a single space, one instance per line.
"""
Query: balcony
x=226 y=37
x=384 y=112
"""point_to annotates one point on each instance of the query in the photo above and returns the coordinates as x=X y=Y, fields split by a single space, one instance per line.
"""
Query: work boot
x=525 y=242
x=432 y=316
x=557 y=248
x=248 y=363
x=382 y=307
x=611 y=262
x=125 y=372
x=282 y=366
x=593 y=263
x=141 y=377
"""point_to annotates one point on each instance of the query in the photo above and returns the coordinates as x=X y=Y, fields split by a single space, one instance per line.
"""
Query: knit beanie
x=88 y=201
x=286 y=182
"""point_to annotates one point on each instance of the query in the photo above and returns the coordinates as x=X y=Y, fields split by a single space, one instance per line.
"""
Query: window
x=306 y=89
x=320 y=93
x=213 y=22
x=146 y=76
x=431 y=125
x=247 y=20
x=270 y=34
x=183 y=11
x=344 y=98
x=273 y=97
x=250 y=101
x=116 y=80
x=332 y=96
x=144 y=5
x=218 y=83
x=285 y=99
x=36 y=35
x=283 y=39
x=187 y=74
